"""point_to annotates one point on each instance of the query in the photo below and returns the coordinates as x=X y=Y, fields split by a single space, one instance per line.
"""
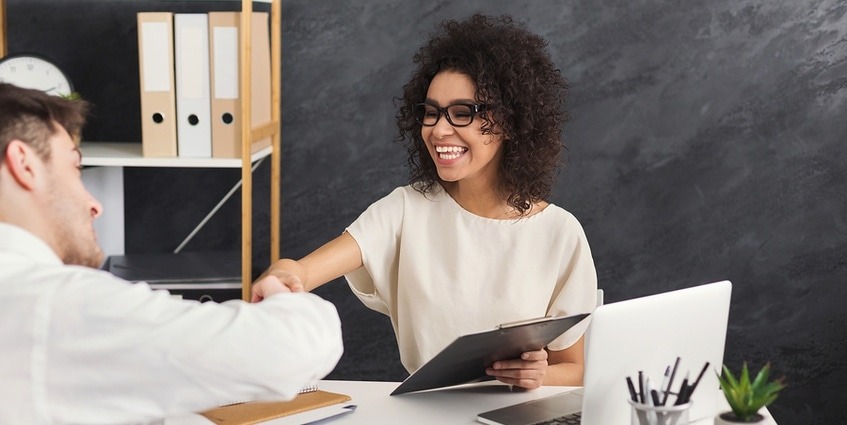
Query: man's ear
x=19 y=159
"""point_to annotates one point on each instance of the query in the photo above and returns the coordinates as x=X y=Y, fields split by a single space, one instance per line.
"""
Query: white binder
x=193 y=107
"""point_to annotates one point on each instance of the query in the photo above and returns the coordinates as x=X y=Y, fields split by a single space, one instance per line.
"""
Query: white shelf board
x=126 y=154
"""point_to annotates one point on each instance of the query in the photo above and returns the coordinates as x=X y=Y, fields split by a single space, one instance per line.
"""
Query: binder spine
x=194 y=130
x=156 y=82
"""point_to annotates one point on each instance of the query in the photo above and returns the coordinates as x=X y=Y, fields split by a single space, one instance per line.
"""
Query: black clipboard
x=466 y=358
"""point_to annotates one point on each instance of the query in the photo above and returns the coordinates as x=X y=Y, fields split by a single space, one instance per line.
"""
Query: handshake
x=276 y=280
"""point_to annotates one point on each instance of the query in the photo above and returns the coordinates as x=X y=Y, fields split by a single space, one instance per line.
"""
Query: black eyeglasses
x=458 y=115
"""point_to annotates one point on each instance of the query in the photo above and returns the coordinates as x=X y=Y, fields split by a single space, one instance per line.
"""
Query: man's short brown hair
x=31 y=116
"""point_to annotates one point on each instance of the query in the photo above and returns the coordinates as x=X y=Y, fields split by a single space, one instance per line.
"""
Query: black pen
x=655 y=396
x=670 y=382
x=664 y=387
x=641 y=396
x=631 y=389
x=694 y=385
x=685 y=397
x=680 y=396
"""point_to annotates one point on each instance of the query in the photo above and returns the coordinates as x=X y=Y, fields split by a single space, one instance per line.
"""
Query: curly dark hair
x=524 y=95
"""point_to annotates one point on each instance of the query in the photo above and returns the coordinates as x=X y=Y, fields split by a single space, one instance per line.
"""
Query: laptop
x=642 y=334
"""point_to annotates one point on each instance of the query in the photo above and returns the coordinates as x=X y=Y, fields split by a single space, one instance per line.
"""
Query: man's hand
x=526 y=372
x=273 y=284
x=290 y=280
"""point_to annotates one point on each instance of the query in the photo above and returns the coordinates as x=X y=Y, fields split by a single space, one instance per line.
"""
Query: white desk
x=457 y=405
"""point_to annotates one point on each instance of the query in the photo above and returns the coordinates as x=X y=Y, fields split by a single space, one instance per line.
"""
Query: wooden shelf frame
x=3 y=45
x=249 y=135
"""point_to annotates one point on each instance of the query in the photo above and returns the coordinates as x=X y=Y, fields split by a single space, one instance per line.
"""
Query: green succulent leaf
x=745 y=398
x=72 y=96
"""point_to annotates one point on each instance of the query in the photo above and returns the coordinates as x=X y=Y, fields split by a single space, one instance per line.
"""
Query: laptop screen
x=647 y=334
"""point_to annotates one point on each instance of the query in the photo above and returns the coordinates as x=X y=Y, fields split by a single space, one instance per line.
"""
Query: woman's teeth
x=450 y=152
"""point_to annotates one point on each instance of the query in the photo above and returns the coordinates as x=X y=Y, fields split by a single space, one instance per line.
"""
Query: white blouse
x=439 y=271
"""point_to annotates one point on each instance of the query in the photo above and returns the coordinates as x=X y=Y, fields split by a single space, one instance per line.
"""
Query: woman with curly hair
x=471 y=242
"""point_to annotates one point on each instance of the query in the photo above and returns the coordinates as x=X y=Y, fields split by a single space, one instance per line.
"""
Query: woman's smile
x=449 y=153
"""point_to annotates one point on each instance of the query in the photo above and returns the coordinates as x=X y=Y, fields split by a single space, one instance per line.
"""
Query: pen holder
x=644 y=414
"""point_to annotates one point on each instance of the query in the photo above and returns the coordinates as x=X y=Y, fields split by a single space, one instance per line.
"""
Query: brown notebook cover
x=254 y=412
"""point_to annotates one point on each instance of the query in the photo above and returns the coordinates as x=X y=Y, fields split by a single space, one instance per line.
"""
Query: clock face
x=33 y=72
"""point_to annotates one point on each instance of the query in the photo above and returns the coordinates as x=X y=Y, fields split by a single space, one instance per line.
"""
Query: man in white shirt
x=78 y=345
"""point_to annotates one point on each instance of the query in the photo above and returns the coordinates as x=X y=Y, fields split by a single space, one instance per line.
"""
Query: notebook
x=642 y=334
x=308 y=406
x=466 y=358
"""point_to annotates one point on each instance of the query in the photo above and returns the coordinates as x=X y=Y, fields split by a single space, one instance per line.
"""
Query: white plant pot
x=757 y=419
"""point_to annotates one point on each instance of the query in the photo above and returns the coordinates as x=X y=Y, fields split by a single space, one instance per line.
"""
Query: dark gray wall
x=706 y=143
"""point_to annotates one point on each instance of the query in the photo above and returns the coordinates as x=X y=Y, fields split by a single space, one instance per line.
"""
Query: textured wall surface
x=706 y=143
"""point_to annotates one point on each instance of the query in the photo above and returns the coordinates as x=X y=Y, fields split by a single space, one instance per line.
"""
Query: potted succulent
x=745 y=398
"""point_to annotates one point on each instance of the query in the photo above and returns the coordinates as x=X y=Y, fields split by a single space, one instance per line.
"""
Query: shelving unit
x=108 y=154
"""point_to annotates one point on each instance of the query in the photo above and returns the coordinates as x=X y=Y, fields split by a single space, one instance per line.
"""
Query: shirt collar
x=16 y=240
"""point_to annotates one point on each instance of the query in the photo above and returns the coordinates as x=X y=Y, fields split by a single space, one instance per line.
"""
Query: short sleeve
x=577 y=288
x=377 y=232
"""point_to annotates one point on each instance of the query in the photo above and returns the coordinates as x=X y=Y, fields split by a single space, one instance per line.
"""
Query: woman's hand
x=289 y=279
x=526 y=372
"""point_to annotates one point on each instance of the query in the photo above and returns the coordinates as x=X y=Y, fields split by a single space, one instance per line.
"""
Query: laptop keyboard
x=571 y=419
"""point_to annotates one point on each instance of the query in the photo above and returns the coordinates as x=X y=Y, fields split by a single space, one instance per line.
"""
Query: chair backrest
x=600 y=301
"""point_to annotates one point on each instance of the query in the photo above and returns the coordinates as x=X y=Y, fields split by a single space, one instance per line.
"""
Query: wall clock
x=32 y=71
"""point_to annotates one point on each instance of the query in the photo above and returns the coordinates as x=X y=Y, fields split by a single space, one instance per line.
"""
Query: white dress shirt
x=80 y=346
x=440 y=271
